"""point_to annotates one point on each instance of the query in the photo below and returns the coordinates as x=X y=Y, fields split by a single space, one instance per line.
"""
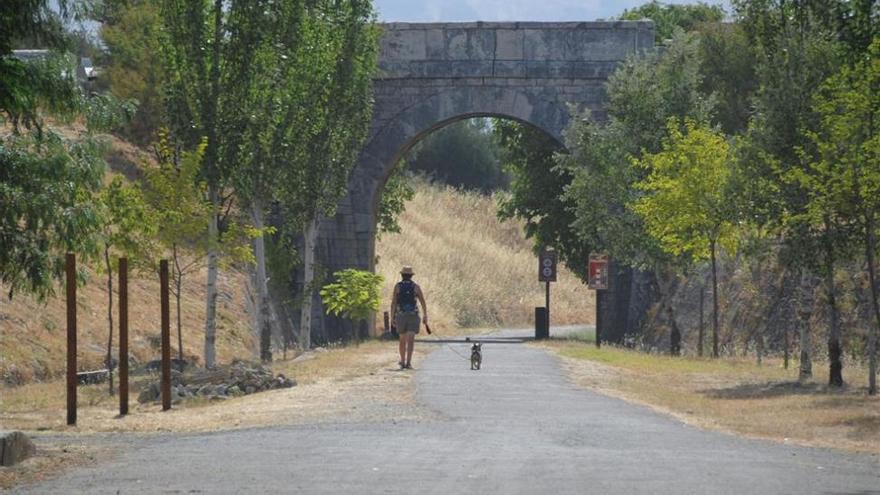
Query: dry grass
x=49 y=461
x=356 y=383
x=33 y=334
x=734 y=395
x=475 y=270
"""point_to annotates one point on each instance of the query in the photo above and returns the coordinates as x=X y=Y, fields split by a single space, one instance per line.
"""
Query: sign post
x=547 y=273
x=597 y=279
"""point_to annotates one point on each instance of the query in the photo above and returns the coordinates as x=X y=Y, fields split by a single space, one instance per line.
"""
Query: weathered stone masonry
x=435 y=74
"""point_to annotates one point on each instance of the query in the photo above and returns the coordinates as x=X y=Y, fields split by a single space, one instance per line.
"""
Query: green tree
x=192 y=61
x=687 y=206
x=127 y=230
x=278 y=80
x=395 y=195
x=354 y=295
x=844 y=180
x=669 y=17
x=796 y=51
x=341 y=125
x=131 y=31
x=643 y=93
x=328 y=54
x=534 y=194
x=176 y=197
x=463 y=155
x=46 y=187
x=727 y=64
x=46 y=181
x=44 y=85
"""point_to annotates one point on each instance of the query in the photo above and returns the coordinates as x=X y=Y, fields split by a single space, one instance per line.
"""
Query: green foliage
x=727 y=64
x=535 y=187
x=354 y=295
x=131 y=32
x=687 y=206
x=46 y=187
x=32 y=20
x=176 y=197
x=106 y=112
x=396 y=193
x=463 y=155
x=335 y=60
x=127 y=226
x=644 y=93
x=841 y=179
x=669 y=17
x=29 y=88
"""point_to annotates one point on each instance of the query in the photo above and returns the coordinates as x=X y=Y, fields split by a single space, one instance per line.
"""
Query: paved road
x=517 y=426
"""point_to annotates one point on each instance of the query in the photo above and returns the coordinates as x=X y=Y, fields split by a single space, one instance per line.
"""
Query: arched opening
x=477 y=270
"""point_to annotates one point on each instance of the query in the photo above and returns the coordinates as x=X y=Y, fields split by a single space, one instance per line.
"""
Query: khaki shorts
x=407 y=322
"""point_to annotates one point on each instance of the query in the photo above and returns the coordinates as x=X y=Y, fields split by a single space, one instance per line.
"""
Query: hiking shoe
x=408 y=366
x=402 y=366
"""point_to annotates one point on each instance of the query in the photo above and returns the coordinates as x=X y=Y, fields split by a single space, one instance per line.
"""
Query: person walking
x=406 y=314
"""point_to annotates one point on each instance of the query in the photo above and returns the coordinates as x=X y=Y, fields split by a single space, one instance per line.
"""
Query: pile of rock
x=223 y=382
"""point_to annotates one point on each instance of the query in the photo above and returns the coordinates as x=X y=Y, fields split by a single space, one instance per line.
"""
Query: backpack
x=406 y=297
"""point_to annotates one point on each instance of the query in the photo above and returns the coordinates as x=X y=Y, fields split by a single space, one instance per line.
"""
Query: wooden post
x=123 y=336
x=70 y=265
x=166 y=336
x=599 y=297
x=547 y=305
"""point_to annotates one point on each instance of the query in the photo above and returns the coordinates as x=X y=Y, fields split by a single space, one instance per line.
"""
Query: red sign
x=597 y=274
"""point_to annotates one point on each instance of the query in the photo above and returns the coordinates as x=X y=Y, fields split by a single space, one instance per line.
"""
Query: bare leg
x=403 y=347
x=410 y=343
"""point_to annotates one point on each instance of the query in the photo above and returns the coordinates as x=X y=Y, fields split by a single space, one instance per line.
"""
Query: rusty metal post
x=123 y=336
x=70 y=266
x=166 y=336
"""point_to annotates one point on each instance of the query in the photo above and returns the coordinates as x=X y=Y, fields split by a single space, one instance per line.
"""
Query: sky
x=506 y=10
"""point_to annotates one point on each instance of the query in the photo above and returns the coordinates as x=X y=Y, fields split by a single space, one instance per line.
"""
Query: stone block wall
x=432 y=74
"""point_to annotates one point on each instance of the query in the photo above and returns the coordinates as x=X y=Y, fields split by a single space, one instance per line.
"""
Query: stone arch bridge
x=434 y=74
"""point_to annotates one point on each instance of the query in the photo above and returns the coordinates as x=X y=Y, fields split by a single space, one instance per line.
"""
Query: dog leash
x=431 y=334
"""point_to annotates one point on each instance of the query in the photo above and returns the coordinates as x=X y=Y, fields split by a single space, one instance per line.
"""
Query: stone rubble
x=234 y=380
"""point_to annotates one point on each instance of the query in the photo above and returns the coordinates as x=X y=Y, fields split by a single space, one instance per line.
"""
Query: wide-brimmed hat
x=406 y=270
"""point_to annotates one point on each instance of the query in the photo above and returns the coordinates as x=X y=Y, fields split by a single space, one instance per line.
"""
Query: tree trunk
x=311 y=240
x=178 y=284
x=264 y=327
x=209 y=110
x=714 y=300
x=211 y=286
x=702 y=329
x=759 y=347
x=870 y=246
x=109 y=317
x=805 y=370
x=674 y=333
x=786 y=344
x=835 y=372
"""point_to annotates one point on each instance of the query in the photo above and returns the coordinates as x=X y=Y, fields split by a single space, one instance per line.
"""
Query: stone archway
x=434 y=74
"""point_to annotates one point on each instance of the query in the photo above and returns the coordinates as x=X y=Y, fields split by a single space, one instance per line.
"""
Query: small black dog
x=476 y=356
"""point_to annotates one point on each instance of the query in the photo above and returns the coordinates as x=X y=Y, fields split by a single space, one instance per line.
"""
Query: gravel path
x=517 y=426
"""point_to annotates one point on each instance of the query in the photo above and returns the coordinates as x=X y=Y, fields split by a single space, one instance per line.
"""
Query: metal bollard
x=542 y=330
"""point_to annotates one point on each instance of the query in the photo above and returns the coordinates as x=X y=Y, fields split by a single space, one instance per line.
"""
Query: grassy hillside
x=33 y=334
x=475 y=270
